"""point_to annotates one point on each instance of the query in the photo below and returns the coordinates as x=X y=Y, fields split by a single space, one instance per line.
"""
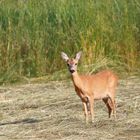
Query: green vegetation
x=33 y=33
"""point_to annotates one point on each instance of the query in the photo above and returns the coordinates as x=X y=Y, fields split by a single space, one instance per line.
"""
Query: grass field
x=54 y=111
x=41 y=105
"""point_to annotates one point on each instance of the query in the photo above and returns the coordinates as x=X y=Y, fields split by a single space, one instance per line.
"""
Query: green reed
x=33 y=33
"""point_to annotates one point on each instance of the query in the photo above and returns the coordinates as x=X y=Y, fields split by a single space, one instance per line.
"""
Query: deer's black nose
x=72 y=71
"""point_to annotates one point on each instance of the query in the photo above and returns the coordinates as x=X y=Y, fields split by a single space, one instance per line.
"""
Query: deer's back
x=99 y=83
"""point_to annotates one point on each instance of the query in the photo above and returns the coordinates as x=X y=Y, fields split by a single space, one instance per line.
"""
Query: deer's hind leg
x=113 y=107
x=110 y=103
x=107 y=103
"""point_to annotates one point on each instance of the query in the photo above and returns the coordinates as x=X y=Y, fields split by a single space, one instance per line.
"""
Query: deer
x=99 y=86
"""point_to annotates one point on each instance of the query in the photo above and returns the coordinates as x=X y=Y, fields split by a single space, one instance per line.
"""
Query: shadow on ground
x=24 y=121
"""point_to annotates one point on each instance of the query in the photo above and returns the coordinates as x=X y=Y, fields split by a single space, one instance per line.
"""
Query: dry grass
x=53 y=111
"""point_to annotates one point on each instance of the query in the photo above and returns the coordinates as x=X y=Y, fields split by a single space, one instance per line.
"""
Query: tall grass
x=33 y=33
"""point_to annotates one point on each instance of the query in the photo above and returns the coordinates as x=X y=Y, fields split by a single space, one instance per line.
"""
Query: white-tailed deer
x=91 y=87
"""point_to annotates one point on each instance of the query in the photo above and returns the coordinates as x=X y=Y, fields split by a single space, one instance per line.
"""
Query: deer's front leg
x=91 y=102
x=85 y=111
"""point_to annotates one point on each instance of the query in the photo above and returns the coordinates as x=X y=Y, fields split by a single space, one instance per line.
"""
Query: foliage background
x=33 y=33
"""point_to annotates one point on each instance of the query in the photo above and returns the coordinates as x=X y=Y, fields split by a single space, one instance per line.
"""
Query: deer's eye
x=75 y=63
x=67 y=64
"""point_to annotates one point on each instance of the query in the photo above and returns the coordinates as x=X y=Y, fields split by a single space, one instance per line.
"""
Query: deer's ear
x=64 y=56
x=78 y=55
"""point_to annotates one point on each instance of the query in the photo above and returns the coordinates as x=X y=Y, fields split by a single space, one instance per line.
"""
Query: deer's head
x=71 y=62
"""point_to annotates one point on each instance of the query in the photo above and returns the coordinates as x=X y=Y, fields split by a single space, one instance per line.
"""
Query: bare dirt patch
x=54 y=111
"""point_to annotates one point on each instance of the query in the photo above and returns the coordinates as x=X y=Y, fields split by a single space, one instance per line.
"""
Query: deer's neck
x=76 y=80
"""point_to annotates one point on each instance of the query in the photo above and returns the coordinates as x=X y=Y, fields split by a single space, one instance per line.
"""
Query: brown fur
x=91 y=87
